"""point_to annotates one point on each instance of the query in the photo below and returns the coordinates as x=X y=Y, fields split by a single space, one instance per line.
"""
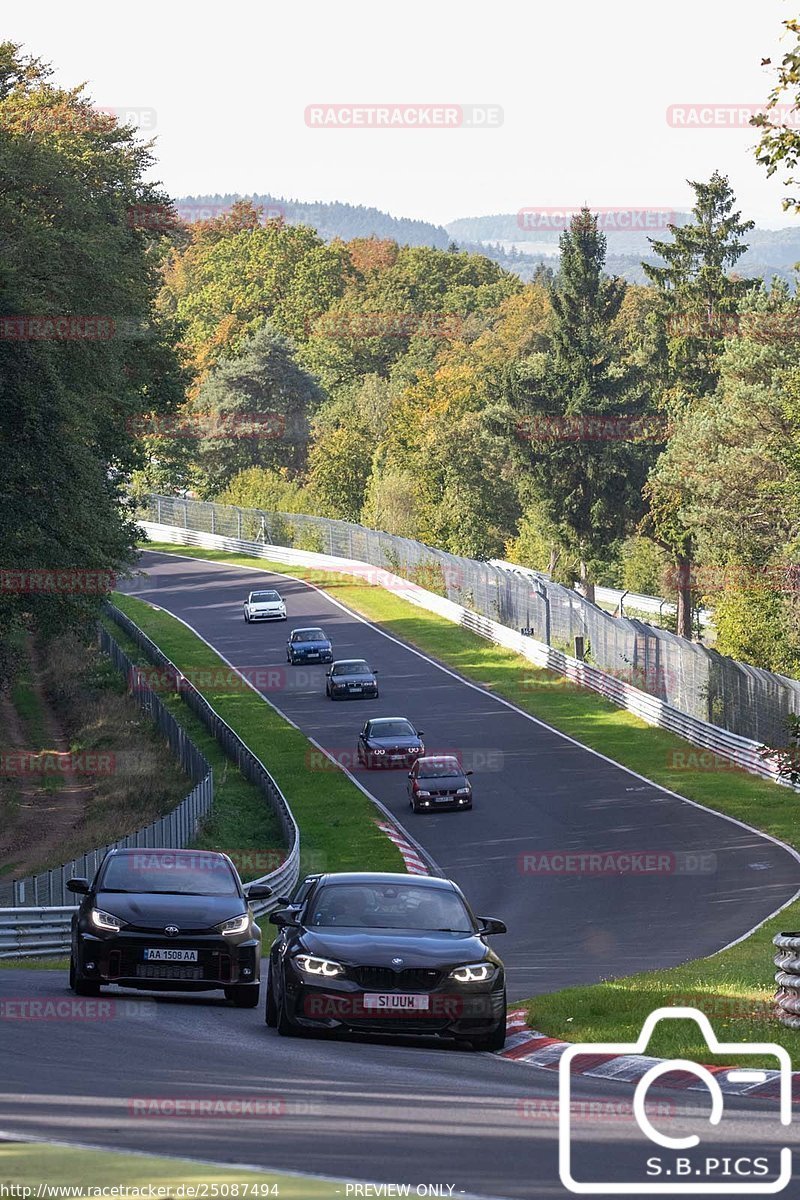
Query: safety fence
x=722 y=748
x=692 y=678
x=38 y=910
x=172 y=831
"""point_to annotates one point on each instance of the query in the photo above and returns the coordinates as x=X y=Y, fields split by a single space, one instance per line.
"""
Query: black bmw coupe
x=382 y=953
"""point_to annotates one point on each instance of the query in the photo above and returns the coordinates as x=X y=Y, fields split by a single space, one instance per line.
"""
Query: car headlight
x=420 y=792
x=106 y=921
x=309 y=964
x=235 y=925
x=463 y=791
x=378 y=750
x=474 y=973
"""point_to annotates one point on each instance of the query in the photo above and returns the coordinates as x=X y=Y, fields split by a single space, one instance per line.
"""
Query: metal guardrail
x=172 y=831
x=787 y=960
x=35 y=932
x=720 y=746
x=695 y=679
x=285 y=876
x=45 y=928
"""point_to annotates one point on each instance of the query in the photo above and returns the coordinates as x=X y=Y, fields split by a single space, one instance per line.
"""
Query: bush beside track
x=735 y=986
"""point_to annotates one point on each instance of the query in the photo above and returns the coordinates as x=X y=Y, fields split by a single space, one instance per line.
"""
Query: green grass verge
x=35 y=964
x=240 y=822
x=735 y=988
x=337 y=821
x=28 y=1164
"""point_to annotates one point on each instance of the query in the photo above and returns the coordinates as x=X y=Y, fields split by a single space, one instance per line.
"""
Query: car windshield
x=389 y=729
x=389 y=906
x=264 y=597
x=351 y=668
x=169 y=874
x=437 y=768
x=308 y=635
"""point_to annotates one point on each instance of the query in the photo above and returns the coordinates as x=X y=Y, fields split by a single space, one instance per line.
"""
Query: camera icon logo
x=670 y=1174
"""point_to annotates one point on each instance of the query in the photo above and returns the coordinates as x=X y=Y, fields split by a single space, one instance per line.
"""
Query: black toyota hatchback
x=382 y=953
x=167 y=920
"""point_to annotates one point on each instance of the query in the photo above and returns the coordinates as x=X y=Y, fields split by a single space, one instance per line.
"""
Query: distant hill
x=499 y=236
x=332 y=219
x=771 y=251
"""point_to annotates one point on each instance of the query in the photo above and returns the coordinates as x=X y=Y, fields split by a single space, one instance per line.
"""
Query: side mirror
x=283 y=900
x=375 y=672
x=327 y=673
x=492 y=925
x=410 y=774
x=420 y=733
x=257 y=891
x=283 y=917
x=79 y=886
x=469 y=772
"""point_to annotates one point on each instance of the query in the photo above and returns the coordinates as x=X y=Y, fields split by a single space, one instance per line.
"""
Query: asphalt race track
x=373 y=1109
x=536 y=793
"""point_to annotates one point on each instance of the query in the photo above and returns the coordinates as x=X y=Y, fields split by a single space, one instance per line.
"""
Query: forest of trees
x=641 y=435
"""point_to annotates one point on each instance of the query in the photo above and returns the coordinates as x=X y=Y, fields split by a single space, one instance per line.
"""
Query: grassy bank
x=336 y=820
x=734 y=988
x=34 y=1165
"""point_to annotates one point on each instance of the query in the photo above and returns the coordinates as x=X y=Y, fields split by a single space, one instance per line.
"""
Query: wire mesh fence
x=694 y=678
x=172 y=831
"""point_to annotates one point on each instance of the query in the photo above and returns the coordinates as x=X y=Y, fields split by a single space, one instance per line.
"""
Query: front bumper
x=349 y=693
x=302 y=656
x=119 y=958
x=442 y=803
x=454 y=1010
x=266 y=616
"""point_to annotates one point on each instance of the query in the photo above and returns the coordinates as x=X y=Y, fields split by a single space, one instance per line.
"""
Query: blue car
x=308 y=645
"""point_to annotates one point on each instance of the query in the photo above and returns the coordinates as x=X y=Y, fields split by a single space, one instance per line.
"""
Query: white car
x=264 y=606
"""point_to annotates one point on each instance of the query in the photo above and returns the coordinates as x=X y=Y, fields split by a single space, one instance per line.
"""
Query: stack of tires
x=787 y=960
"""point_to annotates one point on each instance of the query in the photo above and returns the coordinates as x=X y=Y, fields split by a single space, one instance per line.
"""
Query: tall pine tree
x=582 y=411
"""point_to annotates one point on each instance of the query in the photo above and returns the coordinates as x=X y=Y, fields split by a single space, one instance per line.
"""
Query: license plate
x=355 y=687
x=396 y=1001
x=169 y=955
x=313 y=655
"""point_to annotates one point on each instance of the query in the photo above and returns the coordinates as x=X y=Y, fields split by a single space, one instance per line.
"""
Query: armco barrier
x=730 y=747
x=45 y=929
x=172 y=831
x=284 y=878
x=35 y=932
x=689 y=676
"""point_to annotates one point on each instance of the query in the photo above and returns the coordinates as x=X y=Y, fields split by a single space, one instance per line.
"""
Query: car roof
x=308 y=629
x=260 y=591
x=377 y=720
x=347 y=662
x=440 y=758
x=127 y=850
x=387 y=877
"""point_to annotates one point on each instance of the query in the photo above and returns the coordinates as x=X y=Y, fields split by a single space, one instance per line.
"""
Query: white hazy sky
x=584 y=88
